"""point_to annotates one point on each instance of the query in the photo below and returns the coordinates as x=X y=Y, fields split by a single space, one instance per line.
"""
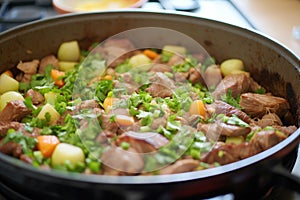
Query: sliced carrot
x=108 y=103
x=107 y=77
x=9 y=73
x=151 y=54
x=124 y=120
x=57 y=77
x=197 y=108
x=46 y=144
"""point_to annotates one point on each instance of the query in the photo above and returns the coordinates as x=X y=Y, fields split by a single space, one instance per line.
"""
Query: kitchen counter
x=275 y=18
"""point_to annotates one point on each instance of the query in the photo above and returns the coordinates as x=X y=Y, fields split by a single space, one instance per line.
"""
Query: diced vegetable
x=57 y=77
x=7 y=83
x=235 y=140
x=46 y=144
x=150 y=54
x=169 y=50
x=197 y=108
x=140 y=61
x=48 y=108
x=66 y=152
x=66 y=66
x=124 y=120
x=69 y=51
x=50 y=97
x=231 y=65
x=9 y=96
x=108 y=103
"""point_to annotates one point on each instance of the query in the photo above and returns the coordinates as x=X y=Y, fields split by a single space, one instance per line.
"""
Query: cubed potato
x=140 y=62
x=231 y=65
x=50 y=97
x=7 y=83
x=9 y=96
x=66 y=66
x=169 y=50
x=66 y=152
x=69 y=51
x=48 y=108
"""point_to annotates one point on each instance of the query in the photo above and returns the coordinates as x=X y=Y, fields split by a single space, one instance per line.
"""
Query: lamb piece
x=11 y=148
x=267 y=138
x=258 y=105
x=144 y=142
x=87 y=104
x=116 y=51
x=14 y=111
x=270 y=119
x=180 y=77
x=5 y=126
x=232 y=130
x=210 y=130
x=287 y=130
x=161 y=86
x=221 y=107
x=36 y=97
x=117 y=161
x=227 y=153
x=180 y=166
x=213 y=131
x=195 y=76
x=48 y=60
x=237 y=83
x=25 y=158
x=160 y=68
x=161 y=121
x=176 y=60
x=29 y=69
x=108 y=124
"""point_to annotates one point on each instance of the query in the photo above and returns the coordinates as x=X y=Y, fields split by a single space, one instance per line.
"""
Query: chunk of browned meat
x=195 y=76
x=227 y=153
x=36 y=97
x=258 y=105
x=11 y=148
x=161 y=86
x=117 y=161
x=28 y=68
x=5 y=126
x=287 y=130
x=237 y=83
x=267 y=138
x=144 y=142
x=14 y=111
x=108 y=124
x=180 y=166
x=213 y=131
x=270 y=119
x=87 y=104
x=221 y=107
x=176 y=59
x=48 y=60
x=232 y=130
x=116 y=51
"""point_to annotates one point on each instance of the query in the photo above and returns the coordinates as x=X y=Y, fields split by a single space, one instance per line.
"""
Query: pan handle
x=282 y=177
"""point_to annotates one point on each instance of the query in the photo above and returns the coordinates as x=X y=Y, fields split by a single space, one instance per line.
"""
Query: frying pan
x=271 y=64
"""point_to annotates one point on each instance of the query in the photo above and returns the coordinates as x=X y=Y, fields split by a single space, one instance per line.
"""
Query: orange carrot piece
x=151 y=54
x=124 y=120
x=46 y=144
x=57 y=77
x=107 y=77
x=197 y=108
